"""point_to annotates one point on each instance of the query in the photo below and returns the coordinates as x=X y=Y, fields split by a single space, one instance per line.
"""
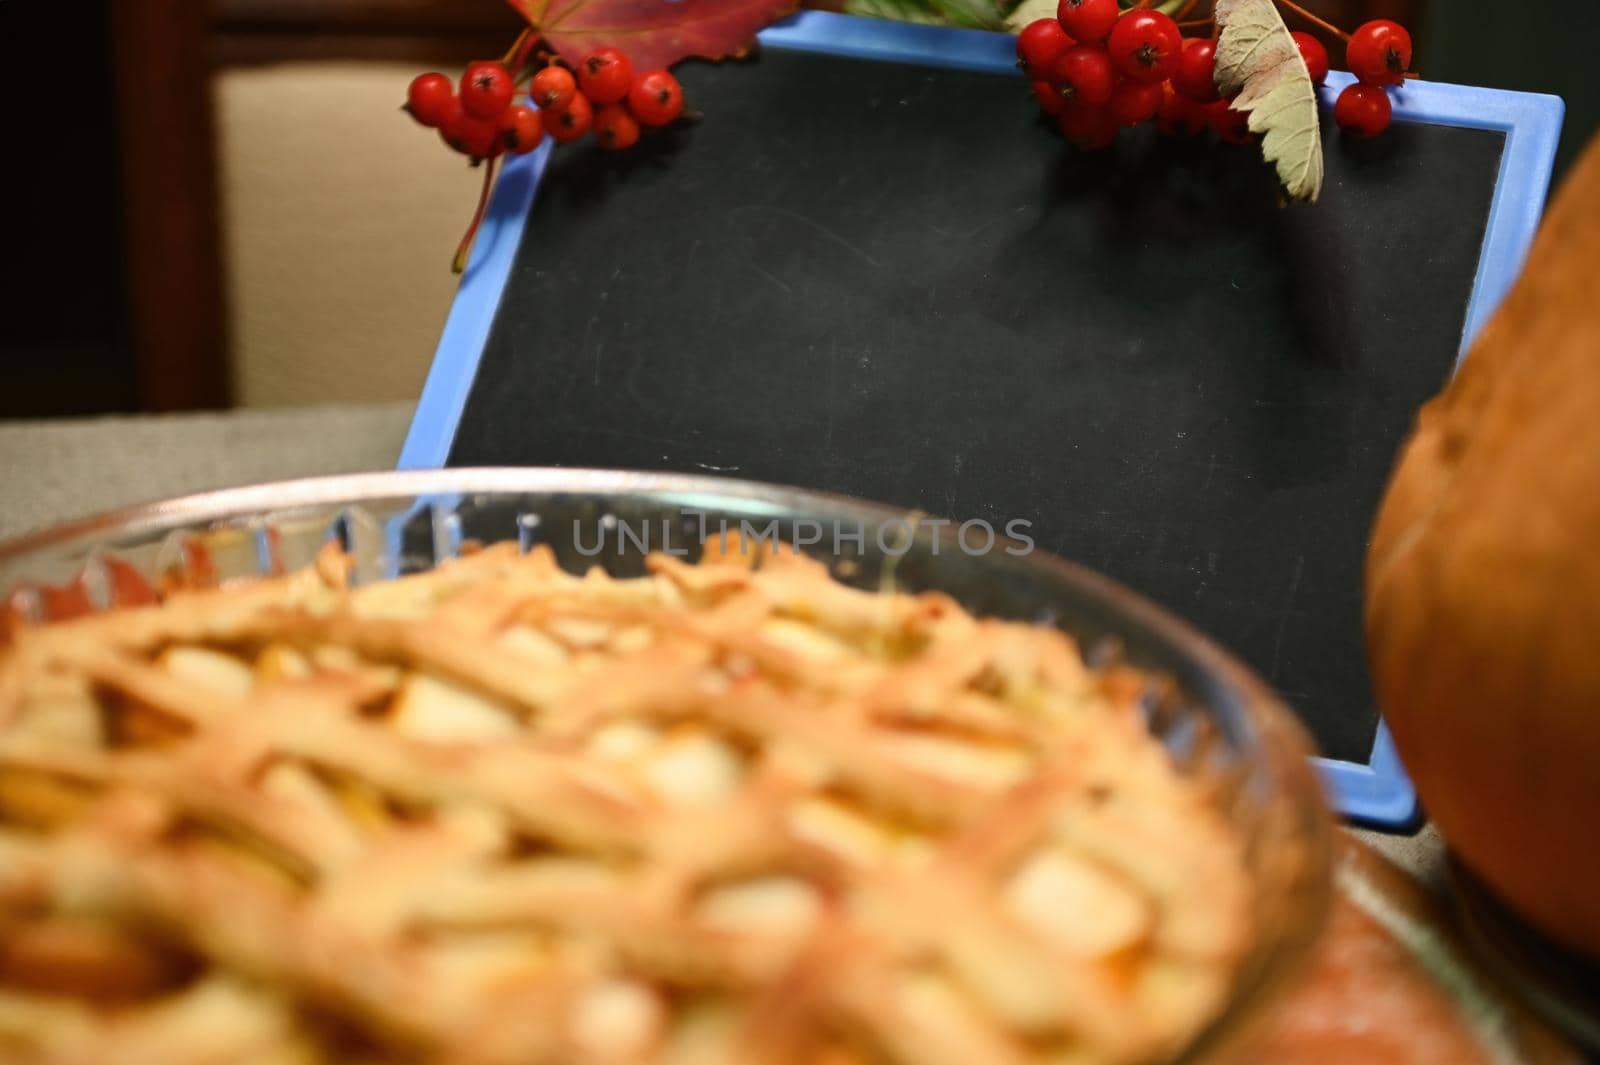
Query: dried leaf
x=1258 y=59
x=654 y=33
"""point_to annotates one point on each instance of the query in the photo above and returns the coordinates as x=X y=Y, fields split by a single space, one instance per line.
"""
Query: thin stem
x=530 y=42
x=465 y=248
x=1186 y=9
x=516 y=46
x=1314 y=19
x=1196 y=24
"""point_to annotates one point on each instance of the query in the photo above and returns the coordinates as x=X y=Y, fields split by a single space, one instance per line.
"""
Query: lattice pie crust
x=499 y=814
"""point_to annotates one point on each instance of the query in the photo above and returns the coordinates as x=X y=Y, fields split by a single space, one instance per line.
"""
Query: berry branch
x=1098 y=66
x=1093 y=66
x=482 y=118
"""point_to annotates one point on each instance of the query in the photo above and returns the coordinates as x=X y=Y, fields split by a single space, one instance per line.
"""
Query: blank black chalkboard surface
x=871 y=270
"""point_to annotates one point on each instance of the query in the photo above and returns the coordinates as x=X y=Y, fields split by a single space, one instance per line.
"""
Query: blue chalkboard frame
x=1377 y=793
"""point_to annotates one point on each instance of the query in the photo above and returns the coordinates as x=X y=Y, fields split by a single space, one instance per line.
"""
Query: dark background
x=114 y=300
x=63 y=331
x=909 y=291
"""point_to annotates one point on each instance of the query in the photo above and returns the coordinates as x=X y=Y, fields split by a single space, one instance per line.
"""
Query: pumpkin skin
x=1483 y=587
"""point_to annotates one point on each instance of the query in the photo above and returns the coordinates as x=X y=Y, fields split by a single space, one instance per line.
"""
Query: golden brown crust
x=498 y=814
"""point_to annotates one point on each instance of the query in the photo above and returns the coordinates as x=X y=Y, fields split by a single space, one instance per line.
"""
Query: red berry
x=1180 y=116
x=1379 y=52
x=471 y=135
x=615 y=129
x=1085 y=74
x=1363 y=110
x=553 y=88
x=1090 y=128
x=571 y=122
x=655 y=98
x=521 y=129
x=1145 y=45
x=1314 y=54
x=1195 y=76
x=428 y=99
x=1040 y=44
x=450 y=127
x=604 y=75
x=1051 y=102
x=1230 y=126
x=483 y=138
x=486 y=89
x=1133 y=102
x=1087 y=20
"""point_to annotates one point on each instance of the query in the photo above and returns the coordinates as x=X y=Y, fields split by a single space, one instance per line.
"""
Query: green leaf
x=899 y=10
x=974 y=14
x=977 y=14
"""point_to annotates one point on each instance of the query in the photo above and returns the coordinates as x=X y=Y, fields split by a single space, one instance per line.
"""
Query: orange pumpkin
x=1483 y=587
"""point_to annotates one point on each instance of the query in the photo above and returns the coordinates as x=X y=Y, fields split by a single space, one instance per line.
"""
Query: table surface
x=59 y=469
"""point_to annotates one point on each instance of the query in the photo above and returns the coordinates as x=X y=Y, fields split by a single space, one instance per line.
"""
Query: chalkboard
x=893 y=280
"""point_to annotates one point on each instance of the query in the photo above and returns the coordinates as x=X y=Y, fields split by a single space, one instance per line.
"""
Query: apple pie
x=499 y=814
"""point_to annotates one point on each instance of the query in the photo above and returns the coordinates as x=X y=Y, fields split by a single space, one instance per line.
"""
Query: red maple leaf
x=654 y=33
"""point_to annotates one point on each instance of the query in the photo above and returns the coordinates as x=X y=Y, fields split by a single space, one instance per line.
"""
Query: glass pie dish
x=1220 y=726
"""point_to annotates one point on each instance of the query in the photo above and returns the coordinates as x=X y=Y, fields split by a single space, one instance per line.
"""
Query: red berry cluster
x=480 y=120
x=1097 y=68
x=483 y=120
x=1378 y=53
x=607 y=97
